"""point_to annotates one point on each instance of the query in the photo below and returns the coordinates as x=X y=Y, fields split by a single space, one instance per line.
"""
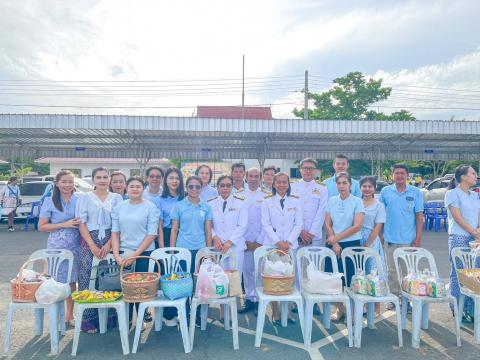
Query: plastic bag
x=319 y=282
x=415 y=284
x=375 y=285
x=52 y=291
x=277 y=268
x=359 y=284
x=212 y=281
x=436 y=287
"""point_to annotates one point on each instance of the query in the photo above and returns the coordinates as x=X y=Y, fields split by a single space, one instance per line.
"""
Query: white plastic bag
x=319 y=282
x=277 y=268
x=212 y=281
x=52 y=291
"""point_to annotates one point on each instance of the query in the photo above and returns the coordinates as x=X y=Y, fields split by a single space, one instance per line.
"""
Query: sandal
x=337 y=316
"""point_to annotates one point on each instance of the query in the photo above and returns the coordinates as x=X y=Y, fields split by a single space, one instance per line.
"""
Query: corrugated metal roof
x=201 y=138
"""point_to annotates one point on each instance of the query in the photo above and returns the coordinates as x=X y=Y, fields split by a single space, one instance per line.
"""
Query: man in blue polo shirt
x=340 y=164
x=404 y=222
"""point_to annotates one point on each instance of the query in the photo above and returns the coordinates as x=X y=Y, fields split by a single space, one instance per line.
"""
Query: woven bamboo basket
x=470 y=278
x=140 y=291
x=23 y=291
x=278 y=285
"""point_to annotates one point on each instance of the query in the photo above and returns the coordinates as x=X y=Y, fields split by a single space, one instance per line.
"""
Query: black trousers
x=350 y=271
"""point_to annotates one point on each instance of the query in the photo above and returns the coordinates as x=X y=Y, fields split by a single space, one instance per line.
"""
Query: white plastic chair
x=468 y=259
x=120 y=307
x=359 y=257
x=264 y=299
x=411 y=257
x=56 y=311
x=229 y=302
x=170 y=257
x=317 y=256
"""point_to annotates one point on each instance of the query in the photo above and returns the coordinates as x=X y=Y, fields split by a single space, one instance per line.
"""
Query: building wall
x=82 y=169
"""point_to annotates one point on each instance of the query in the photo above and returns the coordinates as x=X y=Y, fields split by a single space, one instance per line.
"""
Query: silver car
x=435 y=191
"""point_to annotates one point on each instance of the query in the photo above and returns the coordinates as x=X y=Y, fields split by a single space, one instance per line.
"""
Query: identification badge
x=316 y=191
x=292 y=209
x=232 y=209
x=410 y=198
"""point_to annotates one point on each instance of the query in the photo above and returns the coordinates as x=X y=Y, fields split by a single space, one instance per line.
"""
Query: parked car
x=33 y=191
x=435 y=191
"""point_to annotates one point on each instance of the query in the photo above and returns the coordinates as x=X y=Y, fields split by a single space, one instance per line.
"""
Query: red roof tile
x=235 y=112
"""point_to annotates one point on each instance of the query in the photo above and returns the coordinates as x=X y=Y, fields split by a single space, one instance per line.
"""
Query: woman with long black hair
x=57 y=216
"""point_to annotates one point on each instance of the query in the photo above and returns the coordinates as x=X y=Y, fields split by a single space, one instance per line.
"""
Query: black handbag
x=108 y=276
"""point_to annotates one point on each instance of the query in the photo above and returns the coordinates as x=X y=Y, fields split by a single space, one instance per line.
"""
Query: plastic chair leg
x=371 y=315
x=8 y=330
x=461 y=304
x=182 y=318
x=404 y=312
x=39 y=316
x=138 y=327
x=158 y=318
x=233 y=309
x=348 y=310
x=458 y=319
x=358 y=314
x=61 y=319
x=203 y=316
x=416 y=323
x=326 y=315
x=308 y=322
x=53 y=320
x=226 y=317
x=399 y=323
x=301 y=316
x=476 y=318
x=193 y=315
x=102 y=319
x=78 y=327
x=425 y=315
x=284 y=313
x=122 y=327
x=262 y=309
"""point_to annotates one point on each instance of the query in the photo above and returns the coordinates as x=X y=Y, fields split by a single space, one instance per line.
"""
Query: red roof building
x=235 y=112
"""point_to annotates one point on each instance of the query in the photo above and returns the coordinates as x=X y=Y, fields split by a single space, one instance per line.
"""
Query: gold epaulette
x=239 y=197
x=213 y=198
x=294 y=196
x=268 y=196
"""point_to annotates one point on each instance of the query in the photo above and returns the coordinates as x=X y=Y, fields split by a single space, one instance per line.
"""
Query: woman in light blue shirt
x=205 y=173
x=94 y=210
x=154 y=179
x=11 y=200
x=463 y=209
x=57 y=216
x=173 y=192
x=118 y=184
x=343 y=222
x=191 y=220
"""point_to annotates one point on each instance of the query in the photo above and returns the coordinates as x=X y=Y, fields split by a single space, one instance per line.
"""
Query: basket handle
x=284 y=253
x=45 y=267
x=140 y=257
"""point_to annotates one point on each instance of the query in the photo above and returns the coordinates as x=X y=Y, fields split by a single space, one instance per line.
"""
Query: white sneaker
x=171 y=322
x=11 y=229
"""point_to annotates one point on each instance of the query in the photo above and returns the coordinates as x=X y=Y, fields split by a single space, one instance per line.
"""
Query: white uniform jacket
x=254 y=201
x=230 y=224
x=313 y=199
x=281 y=224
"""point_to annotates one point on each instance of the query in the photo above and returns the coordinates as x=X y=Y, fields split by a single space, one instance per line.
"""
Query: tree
x=350 y=99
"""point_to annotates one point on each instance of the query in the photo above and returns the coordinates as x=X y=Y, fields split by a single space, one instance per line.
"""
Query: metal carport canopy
x=37 y=135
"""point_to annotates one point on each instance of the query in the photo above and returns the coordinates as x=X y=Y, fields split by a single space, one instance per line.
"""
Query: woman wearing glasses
x=191 y=220
x=154 y=179
x=230 y=219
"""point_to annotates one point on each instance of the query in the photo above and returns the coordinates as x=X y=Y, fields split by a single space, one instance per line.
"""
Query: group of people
x=245 y=210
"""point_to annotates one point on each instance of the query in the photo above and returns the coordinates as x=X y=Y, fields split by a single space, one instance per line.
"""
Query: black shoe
x=247 y=306
x=295 y=309
x=256 y=309
x=147 y=317
x=316 y=310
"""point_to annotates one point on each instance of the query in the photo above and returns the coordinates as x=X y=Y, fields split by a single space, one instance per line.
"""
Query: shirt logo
x=316 y=191
x=410 y=198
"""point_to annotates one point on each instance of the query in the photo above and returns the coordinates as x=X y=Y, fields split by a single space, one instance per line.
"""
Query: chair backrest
x=464 y=257
x=35 y=211
x=110 y=259
x=55 y=257
x=359 y=257
x=229 y=257
x=317 y=256
x=411 y=257
x=171 y=258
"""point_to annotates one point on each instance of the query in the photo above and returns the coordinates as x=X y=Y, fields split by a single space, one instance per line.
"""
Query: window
x=33 y=188
x=134 y=172
x=438 y=184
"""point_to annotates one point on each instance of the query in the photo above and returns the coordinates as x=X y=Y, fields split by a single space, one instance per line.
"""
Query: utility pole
x=243 y=86
x=305 y=107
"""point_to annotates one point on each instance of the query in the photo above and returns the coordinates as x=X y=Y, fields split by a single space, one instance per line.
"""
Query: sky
x=164 y=58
